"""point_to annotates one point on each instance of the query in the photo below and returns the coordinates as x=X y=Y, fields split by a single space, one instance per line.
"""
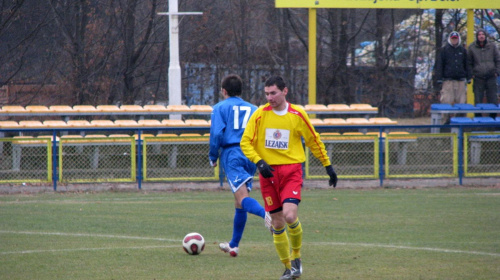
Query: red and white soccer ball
x=193 y=243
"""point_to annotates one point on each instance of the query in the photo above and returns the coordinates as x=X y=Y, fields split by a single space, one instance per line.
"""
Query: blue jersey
x=229 y=119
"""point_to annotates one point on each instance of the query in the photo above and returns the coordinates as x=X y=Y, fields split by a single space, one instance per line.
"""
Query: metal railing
x=141 y=155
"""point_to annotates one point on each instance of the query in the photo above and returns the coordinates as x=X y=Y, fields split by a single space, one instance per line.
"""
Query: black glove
x=265 y=169
x=332 y=174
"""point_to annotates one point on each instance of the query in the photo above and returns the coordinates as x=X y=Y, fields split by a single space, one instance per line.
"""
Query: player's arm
x=249 y=139
x=216 y=134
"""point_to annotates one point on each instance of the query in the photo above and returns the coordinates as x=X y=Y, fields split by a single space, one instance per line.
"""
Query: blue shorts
x=238 y=168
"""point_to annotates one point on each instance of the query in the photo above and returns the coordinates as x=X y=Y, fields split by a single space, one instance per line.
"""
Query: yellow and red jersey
x=278 y=138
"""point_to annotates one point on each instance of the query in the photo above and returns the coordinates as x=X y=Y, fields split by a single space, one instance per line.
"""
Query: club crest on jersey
x=277 y=139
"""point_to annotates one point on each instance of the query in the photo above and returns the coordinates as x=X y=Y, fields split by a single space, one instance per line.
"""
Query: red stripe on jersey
x=255 y=132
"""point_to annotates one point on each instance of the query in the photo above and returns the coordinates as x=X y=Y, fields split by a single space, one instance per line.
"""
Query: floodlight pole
x=174 y=68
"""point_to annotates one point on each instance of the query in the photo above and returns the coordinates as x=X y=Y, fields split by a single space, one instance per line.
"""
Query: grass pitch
x=434 y=233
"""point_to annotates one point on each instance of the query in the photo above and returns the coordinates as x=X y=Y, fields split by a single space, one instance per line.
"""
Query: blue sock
x=240 y=219
x=252 y=206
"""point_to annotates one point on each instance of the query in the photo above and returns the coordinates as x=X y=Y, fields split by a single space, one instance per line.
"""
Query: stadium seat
x=363 y=107
x=119 y=137
x=443 y=106
x=150 y=123
x=126 y=123
x=487 y=106
x=462 y=120
x=176 y=123
x=339 y=107
x=102 y=123
x=334 y=121
x=315 y=121
x=352 y=133
x=484 y=120
x=465 y=106
x=315 y=108
x=132 y=108
x=9 y=124
x=357 y=121
x=61 y=109
x=108 y=108
x=37 y=109
x=155 y=108
x=85 y=109
x=31 y=124
x=178 y=108
x=78 y=123
x=381 y=120
x=197 y=122
x=55 y=124
x=12 y=109
x=201 y=108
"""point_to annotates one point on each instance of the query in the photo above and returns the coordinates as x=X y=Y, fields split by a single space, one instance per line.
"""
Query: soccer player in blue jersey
x=229 y=119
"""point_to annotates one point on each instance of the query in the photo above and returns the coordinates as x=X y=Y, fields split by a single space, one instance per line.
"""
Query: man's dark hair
x=277 y=81
x=232 y=84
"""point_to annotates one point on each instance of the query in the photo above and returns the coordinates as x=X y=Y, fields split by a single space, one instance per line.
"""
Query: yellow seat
x=167 y=135
x=55 y=124
x=132 y=108
x=178 y=108
x=197 y=122
x=201 y=108
x=155 y=108
x=84 y=109
x=144 y=135
x=102 y=123
x=317 y=121
x=9 y=124
x=168 y=122
x=119 y=137
x=334 y=121
x=363 y=107
x=37 y=109
x=339 y=107
x=48 y=137
x=377 y=133
x=108 y=108
x=31 y=124
x=150 y=123
x=25 y=140
x=13 y=109
x=357 y=121
x=352 y=133
x=382 y=121
x=315 y=107
x=61 y=109
x=126 y=123
x=78 y=123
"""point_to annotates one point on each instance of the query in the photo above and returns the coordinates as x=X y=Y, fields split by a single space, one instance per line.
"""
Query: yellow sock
x=295 y=232
x=282 y=245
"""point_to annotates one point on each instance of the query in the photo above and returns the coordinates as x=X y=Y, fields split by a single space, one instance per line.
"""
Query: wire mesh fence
x=172 y=157
x=25 y=159
x=482 y=154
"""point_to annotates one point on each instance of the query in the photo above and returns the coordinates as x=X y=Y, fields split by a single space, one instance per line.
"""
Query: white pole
x=174 y=68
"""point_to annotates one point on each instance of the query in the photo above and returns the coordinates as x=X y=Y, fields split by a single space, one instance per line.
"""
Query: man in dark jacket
x=484 y=60
x=452 y=71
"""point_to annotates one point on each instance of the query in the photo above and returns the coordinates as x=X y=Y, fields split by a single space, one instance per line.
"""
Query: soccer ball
x=193 y=243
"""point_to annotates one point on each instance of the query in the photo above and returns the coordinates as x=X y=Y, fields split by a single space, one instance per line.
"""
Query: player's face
x=276 y=97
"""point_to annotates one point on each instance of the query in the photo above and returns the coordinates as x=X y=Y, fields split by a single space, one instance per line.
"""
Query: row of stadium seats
x=466 y=107
x=42 y=139
x=170 y=123
x=64 y=109
x=475 y=120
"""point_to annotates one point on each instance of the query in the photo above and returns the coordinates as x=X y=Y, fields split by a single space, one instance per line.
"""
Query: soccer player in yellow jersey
x=273 y=140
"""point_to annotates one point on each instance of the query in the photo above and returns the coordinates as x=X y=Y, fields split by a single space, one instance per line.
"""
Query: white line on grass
x=90 y=235
x=86 y=249
x=440 y=250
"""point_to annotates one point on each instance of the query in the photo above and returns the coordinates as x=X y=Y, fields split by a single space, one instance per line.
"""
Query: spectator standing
x=484 y=60
x=229 y=118
x=452 y=71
